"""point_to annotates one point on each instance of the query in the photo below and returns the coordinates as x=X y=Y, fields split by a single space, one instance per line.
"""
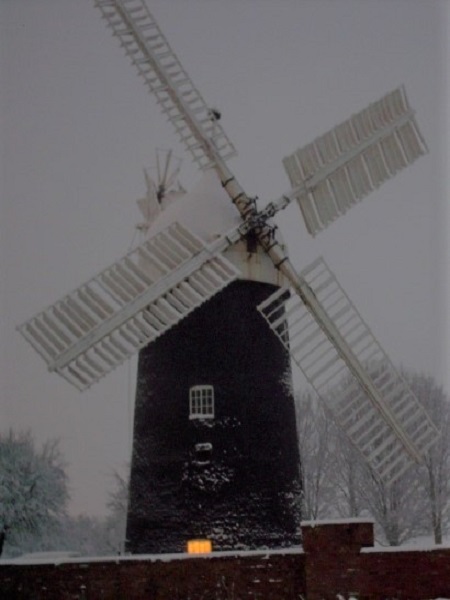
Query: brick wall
x=333 y=551
x=405 y=575
x=337 y=558
x=264 y=576
x=340 y=559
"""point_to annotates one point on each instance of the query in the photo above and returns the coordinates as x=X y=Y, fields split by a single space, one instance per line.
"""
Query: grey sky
x=77 y=127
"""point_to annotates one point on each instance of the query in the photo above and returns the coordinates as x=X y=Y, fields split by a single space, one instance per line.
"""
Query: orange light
x=199 y=546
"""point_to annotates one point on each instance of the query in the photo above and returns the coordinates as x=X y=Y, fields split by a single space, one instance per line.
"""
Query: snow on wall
x=331 y=565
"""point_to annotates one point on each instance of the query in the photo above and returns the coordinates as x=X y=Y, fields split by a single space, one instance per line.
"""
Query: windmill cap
x=208 y=212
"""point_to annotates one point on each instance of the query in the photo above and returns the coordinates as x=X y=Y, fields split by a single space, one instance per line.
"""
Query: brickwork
x=333 y=553
x=405 y=575
x=242 y=493
x=263 y=576
x=337 y=558
x=340 y=558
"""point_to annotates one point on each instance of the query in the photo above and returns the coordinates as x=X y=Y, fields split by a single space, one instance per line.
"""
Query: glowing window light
x=199 y=546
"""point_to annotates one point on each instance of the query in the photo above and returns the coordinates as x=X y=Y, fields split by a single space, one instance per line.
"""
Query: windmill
x=189 y=277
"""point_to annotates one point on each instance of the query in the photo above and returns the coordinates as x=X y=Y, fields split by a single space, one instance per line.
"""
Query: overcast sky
x=78 y=126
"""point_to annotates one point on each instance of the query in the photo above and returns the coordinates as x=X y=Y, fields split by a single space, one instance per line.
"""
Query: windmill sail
x=343 y=166
x=381 y=430
x=157 y=64
x=98 y=326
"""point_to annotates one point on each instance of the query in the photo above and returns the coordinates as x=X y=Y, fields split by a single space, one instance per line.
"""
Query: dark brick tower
x=215 y=451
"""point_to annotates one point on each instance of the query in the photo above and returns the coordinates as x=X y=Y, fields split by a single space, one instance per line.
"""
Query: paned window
x=201 y=402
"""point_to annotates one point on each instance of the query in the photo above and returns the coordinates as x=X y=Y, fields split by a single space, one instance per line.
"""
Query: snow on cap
x=206 y=210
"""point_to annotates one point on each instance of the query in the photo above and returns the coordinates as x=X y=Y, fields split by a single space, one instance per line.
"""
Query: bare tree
x=345 y=476
x=398 y=509
x=116 y=521
x=338 y=482
x=313 y=432
x=436 y=469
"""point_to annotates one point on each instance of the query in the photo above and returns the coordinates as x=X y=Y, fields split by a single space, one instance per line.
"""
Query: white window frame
x=201 y=402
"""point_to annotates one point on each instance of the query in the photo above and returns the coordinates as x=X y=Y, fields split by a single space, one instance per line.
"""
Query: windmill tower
x=215 y=449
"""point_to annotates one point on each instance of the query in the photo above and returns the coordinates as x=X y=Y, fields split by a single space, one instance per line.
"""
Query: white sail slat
x=149 y=316
x=345 y=135
x=410 y=141
x=393 y=154
x=327 y=147
x=71 y=326
x=309 y=160
x=108 y=360
x=149 y=262
x=52 y=325
x=95 y=307
x=67 y=306
x=359 y=178
x=171 y=248
x=111 y=283
x=39 y=341
x=139 y=273
x=122 y=283
x=325 y=202
x=362 y=125
x=109 y=290
x=309 y=212
x=127 y=275
x=376 y=166
x=342 y=190
x=174 y=301
x=139 y=323
x=162 y=254
x=292 y=168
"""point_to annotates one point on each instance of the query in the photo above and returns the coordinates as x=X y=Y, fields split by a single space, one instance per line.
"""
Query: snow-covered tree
x=33 y=488
x=82 y=534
